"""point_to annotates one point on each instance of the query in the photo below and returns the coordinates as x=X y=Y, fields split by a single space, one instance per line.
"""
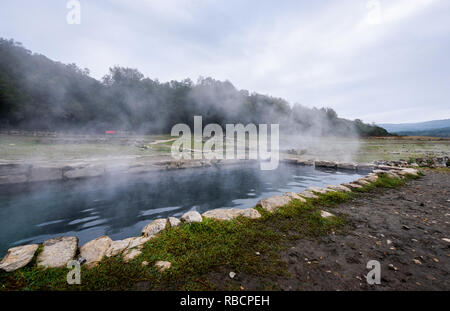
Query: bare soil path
x=401 y=228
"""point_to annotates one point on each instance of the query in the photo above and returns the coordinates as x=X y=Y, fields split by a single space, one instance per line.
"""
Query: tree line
x=37 y=93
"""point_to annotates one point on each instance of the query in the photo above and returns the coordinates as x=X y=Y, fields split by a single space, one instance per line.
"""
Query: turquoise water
x=120 y=206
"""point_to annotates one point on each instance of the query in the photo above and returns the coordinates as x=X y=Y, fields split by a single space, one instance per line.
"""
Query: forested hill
x=40 y=94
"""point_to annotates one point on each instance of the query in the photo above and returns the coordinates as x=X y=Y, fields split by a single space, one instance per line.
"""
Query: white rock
x=326 y=214
x=93 y=251
x=339 y=188
x=232 y=275
x=117 y=247
x=272 y=203
x=308 y=195
x=319 y=190
x=174 y=222
x=154 y=227
x=295 y=196
x=408 y=171
x=227 y=214
x=352 y=186
x=130 y=254
x=18 y=257
x=57 y=252
x=191 y=217
x=446 y=240
x=362 y=182
x=137 y=242
x=163 y=265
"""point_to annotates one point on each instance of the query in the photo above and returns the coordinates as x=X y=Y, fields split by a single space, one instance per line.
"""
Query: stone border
x=57 y=252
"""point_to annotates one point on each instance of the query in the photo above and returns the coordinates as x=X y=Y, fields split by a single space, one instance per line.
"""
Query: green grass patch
x=199 y=250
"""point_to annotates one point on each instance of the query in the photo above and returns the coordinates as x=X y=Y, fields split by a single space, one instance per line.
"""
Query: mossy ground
x=196 y=250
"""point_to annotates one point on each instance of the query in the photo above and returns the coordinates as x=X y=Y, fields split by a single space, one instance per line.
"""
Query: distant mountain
x=415 y=127
x=440 y=132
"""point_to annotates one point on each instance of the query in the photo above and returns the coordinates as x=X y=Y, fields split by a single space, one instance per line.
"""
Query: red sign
x=110 y=132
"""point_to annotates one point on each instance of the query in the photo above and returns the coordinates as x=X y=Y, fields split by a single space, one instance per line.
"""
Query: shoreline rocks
x=191 y=217
x=228 y=214
x=57 y=252
x=155 y=227
x=94 y=251
x=18 y=257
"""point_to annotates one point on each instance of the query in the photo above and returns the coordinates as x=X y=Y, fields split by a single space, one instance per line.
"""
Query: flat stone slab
x=174 y=222
x=408 y=171
x=117 y=247
x=326 y=214
x=163 y=265
x=95 y=250
x=18 y=257
x=191 y=217
x=228 y=214
x=272 y=203
x=154 y=227
x=137 y=242
x=57 y=252
x=130 y=254
x=339 y=188
x=308 y=195
x=319 y=190
x=352 y=186
x=295 y=196
x=362 y=182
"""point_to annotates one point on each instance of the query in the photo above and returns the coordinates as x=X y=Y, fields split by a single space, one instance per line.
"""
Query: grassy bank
x=198 y=250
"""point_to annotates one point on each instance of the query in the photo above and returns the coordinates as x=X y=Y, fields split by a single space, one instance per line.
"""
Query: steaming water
x=120 y=207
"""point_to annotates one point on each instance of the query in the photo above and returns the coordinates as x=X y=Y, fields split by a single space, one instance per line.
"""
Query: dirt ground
x=401 y=228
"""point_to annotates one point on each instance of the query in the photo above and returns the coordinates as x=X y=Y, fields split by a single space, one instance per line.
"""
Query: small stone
x=388 y=242
x=405 y=227
x=446 y=240
x=130 y=254
x=174 y=222
x=144 y=263
x=232 y=275
x=155 y=227
x=275 y=202
x=326 y=214
x=163 y=265
x=18 y=257
x=392 y=267
x=435 y=260
x=258 y=253
x=191 y=217
x=417 y=262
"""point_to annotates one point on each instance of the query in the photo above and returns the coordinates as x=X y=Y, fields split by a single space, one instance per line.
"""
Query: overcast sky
x=380 y=61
